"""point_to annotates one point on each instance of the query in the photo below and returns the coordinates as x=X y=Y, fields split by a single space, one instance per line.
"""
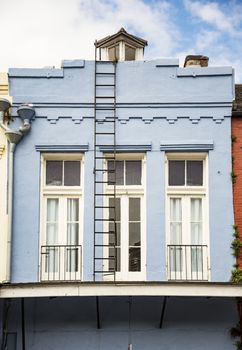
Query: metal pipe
x=10 y=209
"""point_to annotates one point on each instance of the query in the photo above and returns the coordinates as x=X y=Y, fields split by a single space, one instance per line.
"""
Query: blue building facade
x=173 y=207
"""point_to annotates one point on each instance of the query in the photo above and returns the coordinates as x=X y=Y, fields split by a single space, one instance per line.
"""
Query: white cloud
x=40 y=33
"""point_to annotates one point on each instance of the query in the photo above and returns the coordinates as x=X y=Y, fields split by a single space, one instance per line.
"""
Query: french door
x=129 y=247
x=187 y=251
x=61 y=250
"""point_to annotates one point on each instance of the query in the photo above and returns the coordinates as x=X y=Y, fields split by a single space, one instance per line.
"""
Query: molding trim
x=187 y=145
x=62 y=148
x=65 y=289
x=127 y=148
x=2 y=148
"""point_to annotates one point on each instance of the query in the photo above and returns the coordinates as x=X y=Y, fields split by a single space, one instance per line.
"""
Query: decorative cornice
x=62 y=148
x=2 y=148
x=187 y=145
x=144 y=147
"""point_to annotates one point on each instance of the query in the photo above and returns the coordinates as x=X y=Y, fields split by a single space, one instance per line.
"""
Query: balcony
x=61 y=263
x=187 y=262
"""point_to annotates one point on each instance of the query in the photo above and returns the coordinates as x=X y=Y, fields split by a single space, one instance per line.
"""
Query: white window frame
x=186 y=193
x=124 y=192
x=62 y=193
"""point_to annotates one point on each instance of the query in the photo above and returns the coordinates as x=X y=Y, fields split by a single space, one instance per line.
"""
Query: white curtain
x=196 y=234
x=175 y=234
x=72 y=234
x=51 y=262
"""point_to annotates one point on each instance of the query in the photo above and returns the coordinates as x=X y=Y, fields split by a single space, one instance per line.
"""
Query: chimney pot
x=196 y=60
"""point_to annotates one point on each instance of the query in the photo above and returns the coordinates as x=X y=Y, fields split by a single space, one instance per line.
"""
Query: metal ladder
x=105 y=237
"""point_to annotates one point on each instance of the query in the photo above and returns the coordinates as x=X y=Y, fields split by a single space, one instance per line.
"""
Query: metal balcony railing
x=61 y=263
x=187 y=262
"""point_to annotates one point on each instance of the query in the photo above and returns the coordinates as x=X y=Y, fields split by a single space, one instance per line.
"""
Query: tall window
x=187 y=216
x=130 y=219
x=61 y=217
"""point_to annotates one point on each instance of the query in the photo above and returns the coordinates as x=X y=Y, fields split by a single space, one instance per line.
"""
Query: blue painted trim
x=62 y=148
x=128 y=148
x=36 y=73
x=73 y=64
x=203 y=71
x=189 y=145
x=167 y=62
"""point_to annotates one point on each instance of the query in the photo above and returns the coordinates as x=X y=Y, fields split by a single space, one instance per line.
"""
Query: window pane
x=54 y=172
x=129 y=53
x=72 y=171
x=134 y=209
x=112 y=260
x=194 y=172
x=113 y=53
x=133 y=172
x=119 y=172
x=196 y=221
x=134 y=259
x=134 y=234
x=117 y=208
x=175 y=221
x=176 y=172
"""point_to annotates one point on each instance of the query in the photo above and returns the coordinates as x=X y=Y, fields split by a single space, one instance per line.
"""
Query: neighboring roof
x=121 y=35
x=237 y=105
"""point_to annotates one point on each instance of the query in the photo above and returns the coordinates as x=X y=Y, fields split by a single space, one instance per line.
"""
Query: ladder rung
x=105 y=272
x=105 y=73
x=106 y=182
x=105 y=96
x=104 y=121
x=105 y=170
x=105 y=232
x=105 y=207
x=105 y=195
x=105 y=108
x=108 y=158
x=104 y=219
x=105 y=61
x=105 y=84
x=105 y=133
x=105 y=245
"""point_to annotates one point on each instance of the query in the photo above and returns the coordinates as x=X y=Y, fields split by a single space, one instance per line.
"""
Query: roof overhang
x=74 y=289
x=121 y=35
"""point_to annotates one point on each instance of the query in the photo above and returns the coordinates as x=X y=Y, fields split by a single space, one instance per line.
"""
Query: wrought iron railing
x=61 y=263
x=187 y=262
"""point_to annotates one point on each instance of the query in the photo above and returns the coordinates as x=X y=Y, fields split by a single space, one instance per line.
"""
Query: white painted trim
x=68 y=289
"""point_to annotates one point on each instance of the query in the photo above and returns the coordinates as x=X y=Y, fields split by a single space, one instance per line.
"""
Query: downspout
x=26 y=113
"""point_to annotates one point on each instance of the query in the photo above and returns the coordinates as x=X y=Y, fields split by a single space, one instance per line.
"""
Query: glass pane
x=112 y=261
x=113 y=53
x=134 y=209
x=129 y=53
x=197 y=259
x=72 y=209
x=54 y=172
x=112 y=213
x=133 y=172
x=176 y=173
x=134 y=234
x=72 y=173
x=112 y=236
x=52 y=209
x=194 y=173
x=119 y=172
x=134 y=259
x=196 y=221
x=52 y=259
x=176 y=259
x=175 y=221
x=71 y=259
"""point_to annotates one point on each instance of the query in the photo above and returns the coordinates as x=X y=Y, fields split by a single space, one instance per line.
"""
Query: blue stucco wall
x=63 y=323
x=157 y=103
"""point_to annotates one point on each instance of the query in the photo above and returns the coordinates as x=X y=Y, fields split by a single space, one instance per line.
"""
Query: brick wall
x=237 y=166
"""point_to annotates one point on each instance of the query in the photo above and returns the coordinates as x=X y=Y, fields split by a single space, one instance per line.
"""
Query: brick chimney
x=196 y=60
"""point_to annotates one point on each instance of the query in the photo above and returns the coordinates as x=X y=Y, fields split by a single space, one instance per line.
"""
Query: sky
x=40 y=33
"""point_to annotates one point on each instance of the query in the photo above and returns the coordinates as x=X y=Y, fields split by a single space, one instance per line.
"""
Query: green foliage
x=238 y=345
x=233 y=176
x=236 y=246
x=236 y=276
x=233 y=138
x=235 y=331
